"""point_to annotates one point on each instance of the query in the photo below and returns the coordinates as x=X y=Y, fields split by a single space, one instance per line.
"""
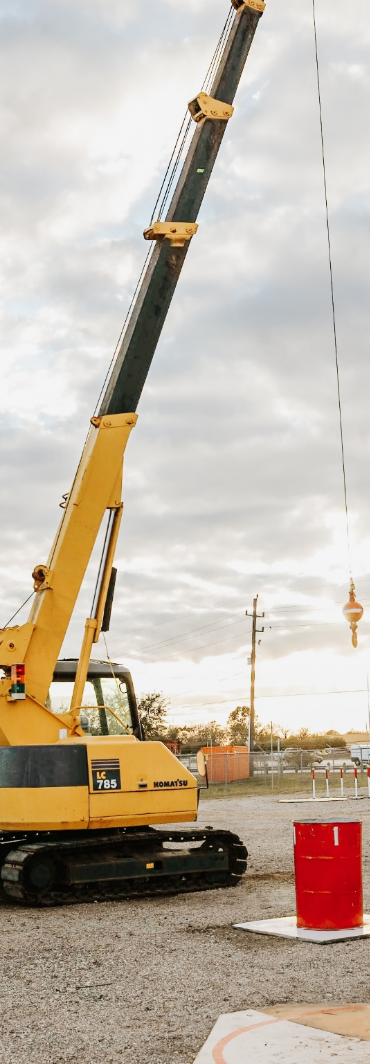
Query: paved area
x=144 y=981
x=252 y=1036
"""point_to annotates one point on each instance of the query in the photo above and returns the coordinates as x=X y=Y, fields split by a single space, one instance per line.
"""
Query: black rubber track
x=58 y=856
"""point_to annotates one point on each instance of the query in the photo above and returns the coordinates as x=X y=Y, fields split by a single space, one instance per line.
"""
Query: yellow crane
x=78 y=802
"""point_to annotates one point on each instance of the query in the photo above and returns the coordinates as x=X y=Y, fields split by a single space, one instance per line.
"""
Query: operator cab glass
x=108 y=706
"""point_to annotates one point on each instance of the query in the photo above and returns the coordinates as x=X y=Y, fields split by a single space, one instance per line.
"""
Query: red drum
x=328 y=874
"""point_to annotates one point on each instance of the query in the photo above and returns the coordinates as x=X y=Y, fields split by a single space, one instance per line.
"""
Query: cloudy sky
x=232 y=480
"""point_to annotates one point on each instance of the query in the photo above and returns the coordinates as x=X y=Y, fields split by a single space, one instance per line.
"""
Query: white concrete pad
x=297 y=801
x=286 y=927
x=249 y=1037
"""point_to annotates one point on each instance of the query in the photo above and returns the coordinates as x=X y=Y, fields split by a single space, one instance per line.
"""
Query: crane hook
x=353 y=612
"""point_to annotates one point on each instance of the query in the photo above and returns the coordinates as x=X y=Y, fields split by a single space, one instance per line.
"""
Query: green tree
x=238 y=725
x=192 y=738
x=153 y=712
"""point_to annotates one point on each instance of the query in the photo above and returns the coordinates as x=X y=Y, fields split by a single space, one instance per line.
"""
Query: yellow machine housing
x=94 y=782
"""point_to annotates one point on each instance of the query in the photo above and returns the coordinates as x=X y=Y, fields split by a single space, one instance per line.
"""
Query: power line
x=292 y=694
x=217 y=628
x=190 y=650
x=278 y=606
x=308 y=624
x=314 y=694
x=331 y=286
x=183 y=635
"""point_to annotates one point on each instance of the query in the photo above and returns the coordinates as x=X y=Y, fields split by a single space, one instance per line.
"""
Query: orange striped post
x=314 y=784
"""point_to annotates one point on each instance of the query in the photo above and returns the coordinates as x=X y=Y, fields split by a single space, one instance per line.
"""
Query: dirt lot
x=142 y=982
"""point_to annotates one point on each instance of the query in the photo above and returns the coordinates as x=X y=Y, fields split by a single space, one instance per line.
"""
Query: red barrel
x=328 y=874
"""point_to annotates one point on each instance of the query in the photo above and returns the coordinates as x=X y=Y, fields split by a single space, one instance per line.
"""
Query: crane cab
x=109 y=704
x=106 y=778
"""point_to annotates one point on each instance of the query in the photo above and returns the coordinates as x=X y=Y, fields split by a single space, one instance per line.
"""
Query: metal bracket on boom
x=204 y=106
x=41 y=578
x=176 y=232
x=255 y=5
x=14 y=643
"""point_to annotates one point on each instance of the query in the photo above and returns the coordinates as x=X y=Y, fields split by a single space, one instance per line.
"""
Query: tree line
x=153 y=713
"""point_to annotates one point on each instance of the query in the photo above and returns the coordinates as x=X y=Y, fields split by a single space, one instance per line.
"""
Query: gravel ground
x=143 y=981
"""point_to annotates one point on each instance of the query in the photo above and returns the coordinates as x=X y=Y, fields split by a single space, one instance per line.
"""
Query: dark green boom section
x=155 y=294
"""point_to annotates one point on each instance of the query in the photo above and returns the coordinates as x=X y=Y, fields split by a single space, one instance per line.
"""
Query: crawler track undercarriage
x=63 y=868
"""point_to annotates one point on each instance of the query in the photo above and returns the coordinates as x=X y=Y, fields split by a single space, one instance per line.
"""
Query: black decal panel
x=106 y=774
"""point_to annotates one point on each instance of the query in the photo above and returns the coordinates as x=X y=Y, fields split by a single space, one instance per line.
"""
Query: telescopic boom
x=33 y=648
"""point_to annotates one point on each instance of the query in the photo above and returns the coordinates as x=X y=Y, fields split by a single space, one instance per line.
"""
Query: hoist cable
x=181 y=139
x=19 y=610
x=218 y=51
x=174 y=170
x=331 y=285
x=164 y=182
x=124 y=326
x=167 y=184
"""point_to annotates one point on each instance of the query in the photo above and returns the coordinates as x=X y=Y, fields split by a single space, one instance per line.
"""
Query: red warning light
x=18 y=682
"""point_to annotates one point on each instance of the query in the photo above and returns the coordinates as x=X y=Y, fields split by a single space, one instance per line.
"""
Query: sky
x=233 y=482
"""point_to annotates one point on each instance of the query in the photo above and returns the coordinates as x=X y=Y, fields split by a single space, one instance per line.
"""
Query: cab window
x=105 y=706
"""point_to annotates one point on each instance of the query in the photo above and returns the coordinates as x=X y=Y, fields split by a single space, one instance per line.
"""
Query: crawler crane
x=80 y=796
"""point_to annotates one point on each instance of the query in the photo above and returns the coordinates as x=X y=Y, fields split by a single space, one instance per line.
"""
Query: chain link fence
x=289 y=771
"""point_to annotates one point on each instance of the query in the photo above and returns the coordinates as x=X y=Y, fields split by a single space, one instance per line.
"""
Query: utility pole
x=255 y=616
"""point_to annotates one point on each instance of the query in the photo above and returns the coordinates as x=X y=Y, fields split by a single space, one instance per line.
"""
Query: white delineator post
x=314 y=784
x=327 y=782
x=368 y=780
x=356 y=781
x=342 y=784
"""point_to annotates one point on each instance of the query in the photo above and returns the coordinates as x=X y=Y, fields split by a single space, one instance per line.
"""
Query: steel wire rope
x=218 y=52
x=106 y=378
x=124 y=326
x=163 y=185
x=19 y=609
x=331 y=284
x=187 y=123
x=174 y=170
x=116 y=680
x=180 y=142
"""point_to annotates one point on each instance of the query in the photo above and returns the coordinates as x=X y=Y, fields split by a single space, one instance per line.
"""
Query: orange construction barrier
x=226 y=764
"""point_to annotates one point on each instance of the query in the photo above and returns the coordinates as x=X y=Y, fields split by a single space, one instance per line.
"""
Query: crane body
x=78 y=799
